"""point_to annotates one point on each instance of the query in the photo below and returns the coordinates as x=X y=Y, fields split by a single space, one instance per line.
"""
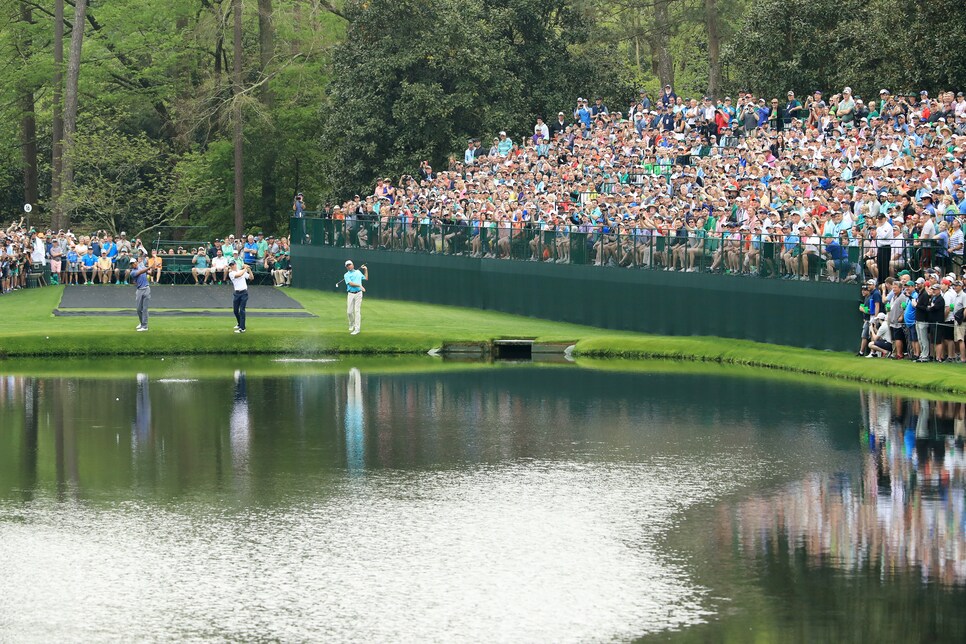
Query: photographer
x=299 y=205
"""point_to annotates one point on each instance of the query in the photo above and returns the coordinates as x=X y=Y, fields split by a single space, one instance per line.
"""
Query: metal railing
x=739 y=253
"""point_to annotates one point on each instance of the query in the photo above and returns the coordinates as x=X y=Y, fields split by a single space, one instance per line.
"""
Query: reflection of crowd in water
x=906 y=513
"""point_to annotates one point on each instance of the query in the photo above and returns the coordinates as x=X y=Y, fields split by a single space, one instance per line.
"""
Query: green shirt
x=262 y=249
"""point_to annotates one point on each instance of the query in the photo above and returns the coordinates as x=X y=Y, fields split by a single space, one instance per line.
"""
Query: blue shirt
x=909 y=315
x=111 y=249
x=141 y=279
x=89 y=259
x=355 y=276
x=874 y=302
x=835 y=251
x=251 y=252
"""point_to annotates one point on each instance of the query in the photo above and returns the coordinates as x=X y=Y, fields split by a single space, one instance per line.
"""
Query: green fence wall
x=806 y=314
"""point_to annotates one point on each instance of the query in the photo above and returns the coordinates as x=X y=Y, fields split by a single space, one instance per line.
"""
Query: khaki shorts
x=959 y=332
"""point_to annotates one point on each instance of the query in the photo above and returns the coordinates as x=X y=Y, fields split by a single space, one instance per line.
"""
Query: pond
x=415 y=500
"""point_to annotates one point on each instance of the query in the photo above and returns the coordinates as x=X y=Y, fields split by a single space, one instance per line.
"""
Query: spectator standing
x=937 y=315
x=668 y=97
x=504 y=145
x=298 y=206
x=56 y=262
x=870 y=307
x=559 y=126
x=584 y=115
x=884 y=235
x=959 y=330
x=124 y=244
x=896 y=308
x=73 y=262
x=793 y=109
x=598 y=109
x=110 y=247
x=250 y=251
x=541 y=131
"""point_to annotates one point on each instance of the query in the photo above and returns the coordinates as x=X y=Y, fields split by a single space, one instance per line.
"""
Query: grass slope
x=27 y=328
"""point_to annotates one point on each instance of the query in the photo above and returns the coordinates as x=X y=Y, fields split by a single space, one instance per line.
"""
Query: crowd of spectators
x=837 y=187
x=65 y=257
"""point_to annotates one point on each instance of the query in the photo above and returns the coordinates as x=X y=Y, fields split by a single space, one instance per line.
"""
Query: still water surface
x=512 y=503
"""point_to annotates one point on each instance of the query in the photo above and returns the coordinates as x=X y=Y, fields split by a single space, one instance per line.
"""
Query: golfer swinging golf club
x=353 y=284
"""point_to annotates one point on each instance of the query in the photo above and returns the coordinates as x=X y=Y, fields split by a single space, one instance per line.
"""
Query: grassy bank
x=27 y=328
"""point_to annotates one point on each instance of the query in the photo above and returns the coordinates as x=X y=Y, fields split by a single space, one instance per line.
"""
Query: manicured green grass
x=27 y=328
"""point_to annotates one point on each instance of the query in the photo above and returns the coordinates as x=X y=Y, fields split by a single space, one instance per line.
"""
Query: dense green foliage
x=414 y=78
x=333 y=94
x=901 y=45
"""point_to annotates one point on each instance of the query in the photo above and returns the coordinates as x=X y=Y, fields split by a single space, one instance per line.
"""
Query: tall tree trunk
x=296 y=42
x=71 y=98
x=266 y=50
x=28 y=124
x=660 y=39
x=219 y=68
x=237 y=138
x=712 y=19
x=57 y=158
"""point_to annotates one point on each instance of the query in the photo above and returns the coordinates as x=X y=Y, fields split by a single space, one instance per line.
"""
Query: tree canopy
x=331 y=94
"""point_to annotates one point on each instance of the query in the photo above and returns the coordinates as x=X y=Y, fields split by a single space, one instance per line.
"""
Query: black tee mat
x=167 y=299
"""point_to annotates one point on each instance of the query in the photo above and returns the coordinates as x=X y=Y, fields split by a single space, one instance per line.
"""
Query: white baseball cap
x=348 y=261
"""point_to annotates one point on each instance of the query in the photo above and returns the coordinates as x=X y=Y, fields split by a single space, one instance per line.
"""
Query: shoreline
x=395 y=328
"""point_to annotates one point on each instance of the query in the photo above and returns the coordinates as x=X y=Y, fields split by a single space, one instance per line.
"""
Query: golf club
x=339 y=282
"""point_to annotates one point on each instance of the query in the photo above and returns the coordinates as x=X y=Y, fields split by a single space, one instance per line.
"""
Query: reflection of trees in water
x=906 y=512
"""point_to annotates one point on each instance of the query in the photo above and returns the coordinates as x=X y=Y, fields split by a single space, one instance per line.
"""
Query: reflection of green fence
x=437 y=264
